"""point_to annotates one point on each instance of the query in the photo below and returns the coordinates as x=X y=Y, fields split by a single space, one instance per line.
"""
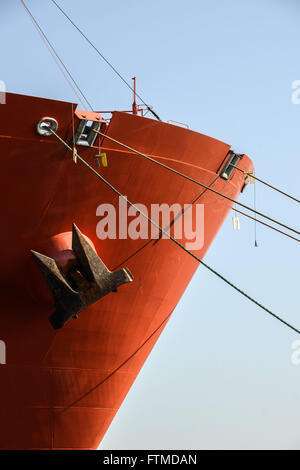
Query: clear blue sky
x=220 y=376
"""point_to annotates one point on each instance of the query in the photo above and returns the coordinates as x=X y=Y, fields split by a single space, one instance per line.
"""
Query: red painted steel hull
x=58 y=388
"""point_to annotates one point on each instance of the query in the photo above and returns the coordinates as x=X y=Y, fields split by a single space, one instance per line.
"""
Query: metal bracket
x=231 y=162
x=85 y=283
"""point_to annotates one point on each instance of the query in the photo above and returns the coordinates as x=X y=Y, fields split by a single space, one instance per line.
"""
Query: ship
x=81 y=312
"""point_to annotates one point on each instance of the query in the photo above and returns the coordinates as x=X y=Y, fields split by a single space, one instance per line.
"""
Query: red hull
x=58 y=388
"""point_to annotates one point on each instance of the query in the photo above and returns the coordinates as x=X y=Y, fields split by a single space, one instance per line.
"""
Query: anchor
x=86 y=282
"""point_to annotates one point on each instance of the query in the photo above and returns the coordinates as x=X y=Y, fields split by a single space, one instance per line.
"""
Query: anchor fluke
x=87 y=281
x=90 y=262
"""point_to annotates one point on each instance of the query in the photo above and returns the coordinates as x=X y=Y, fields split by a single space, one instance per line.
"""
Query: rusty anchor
x=86 y=282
